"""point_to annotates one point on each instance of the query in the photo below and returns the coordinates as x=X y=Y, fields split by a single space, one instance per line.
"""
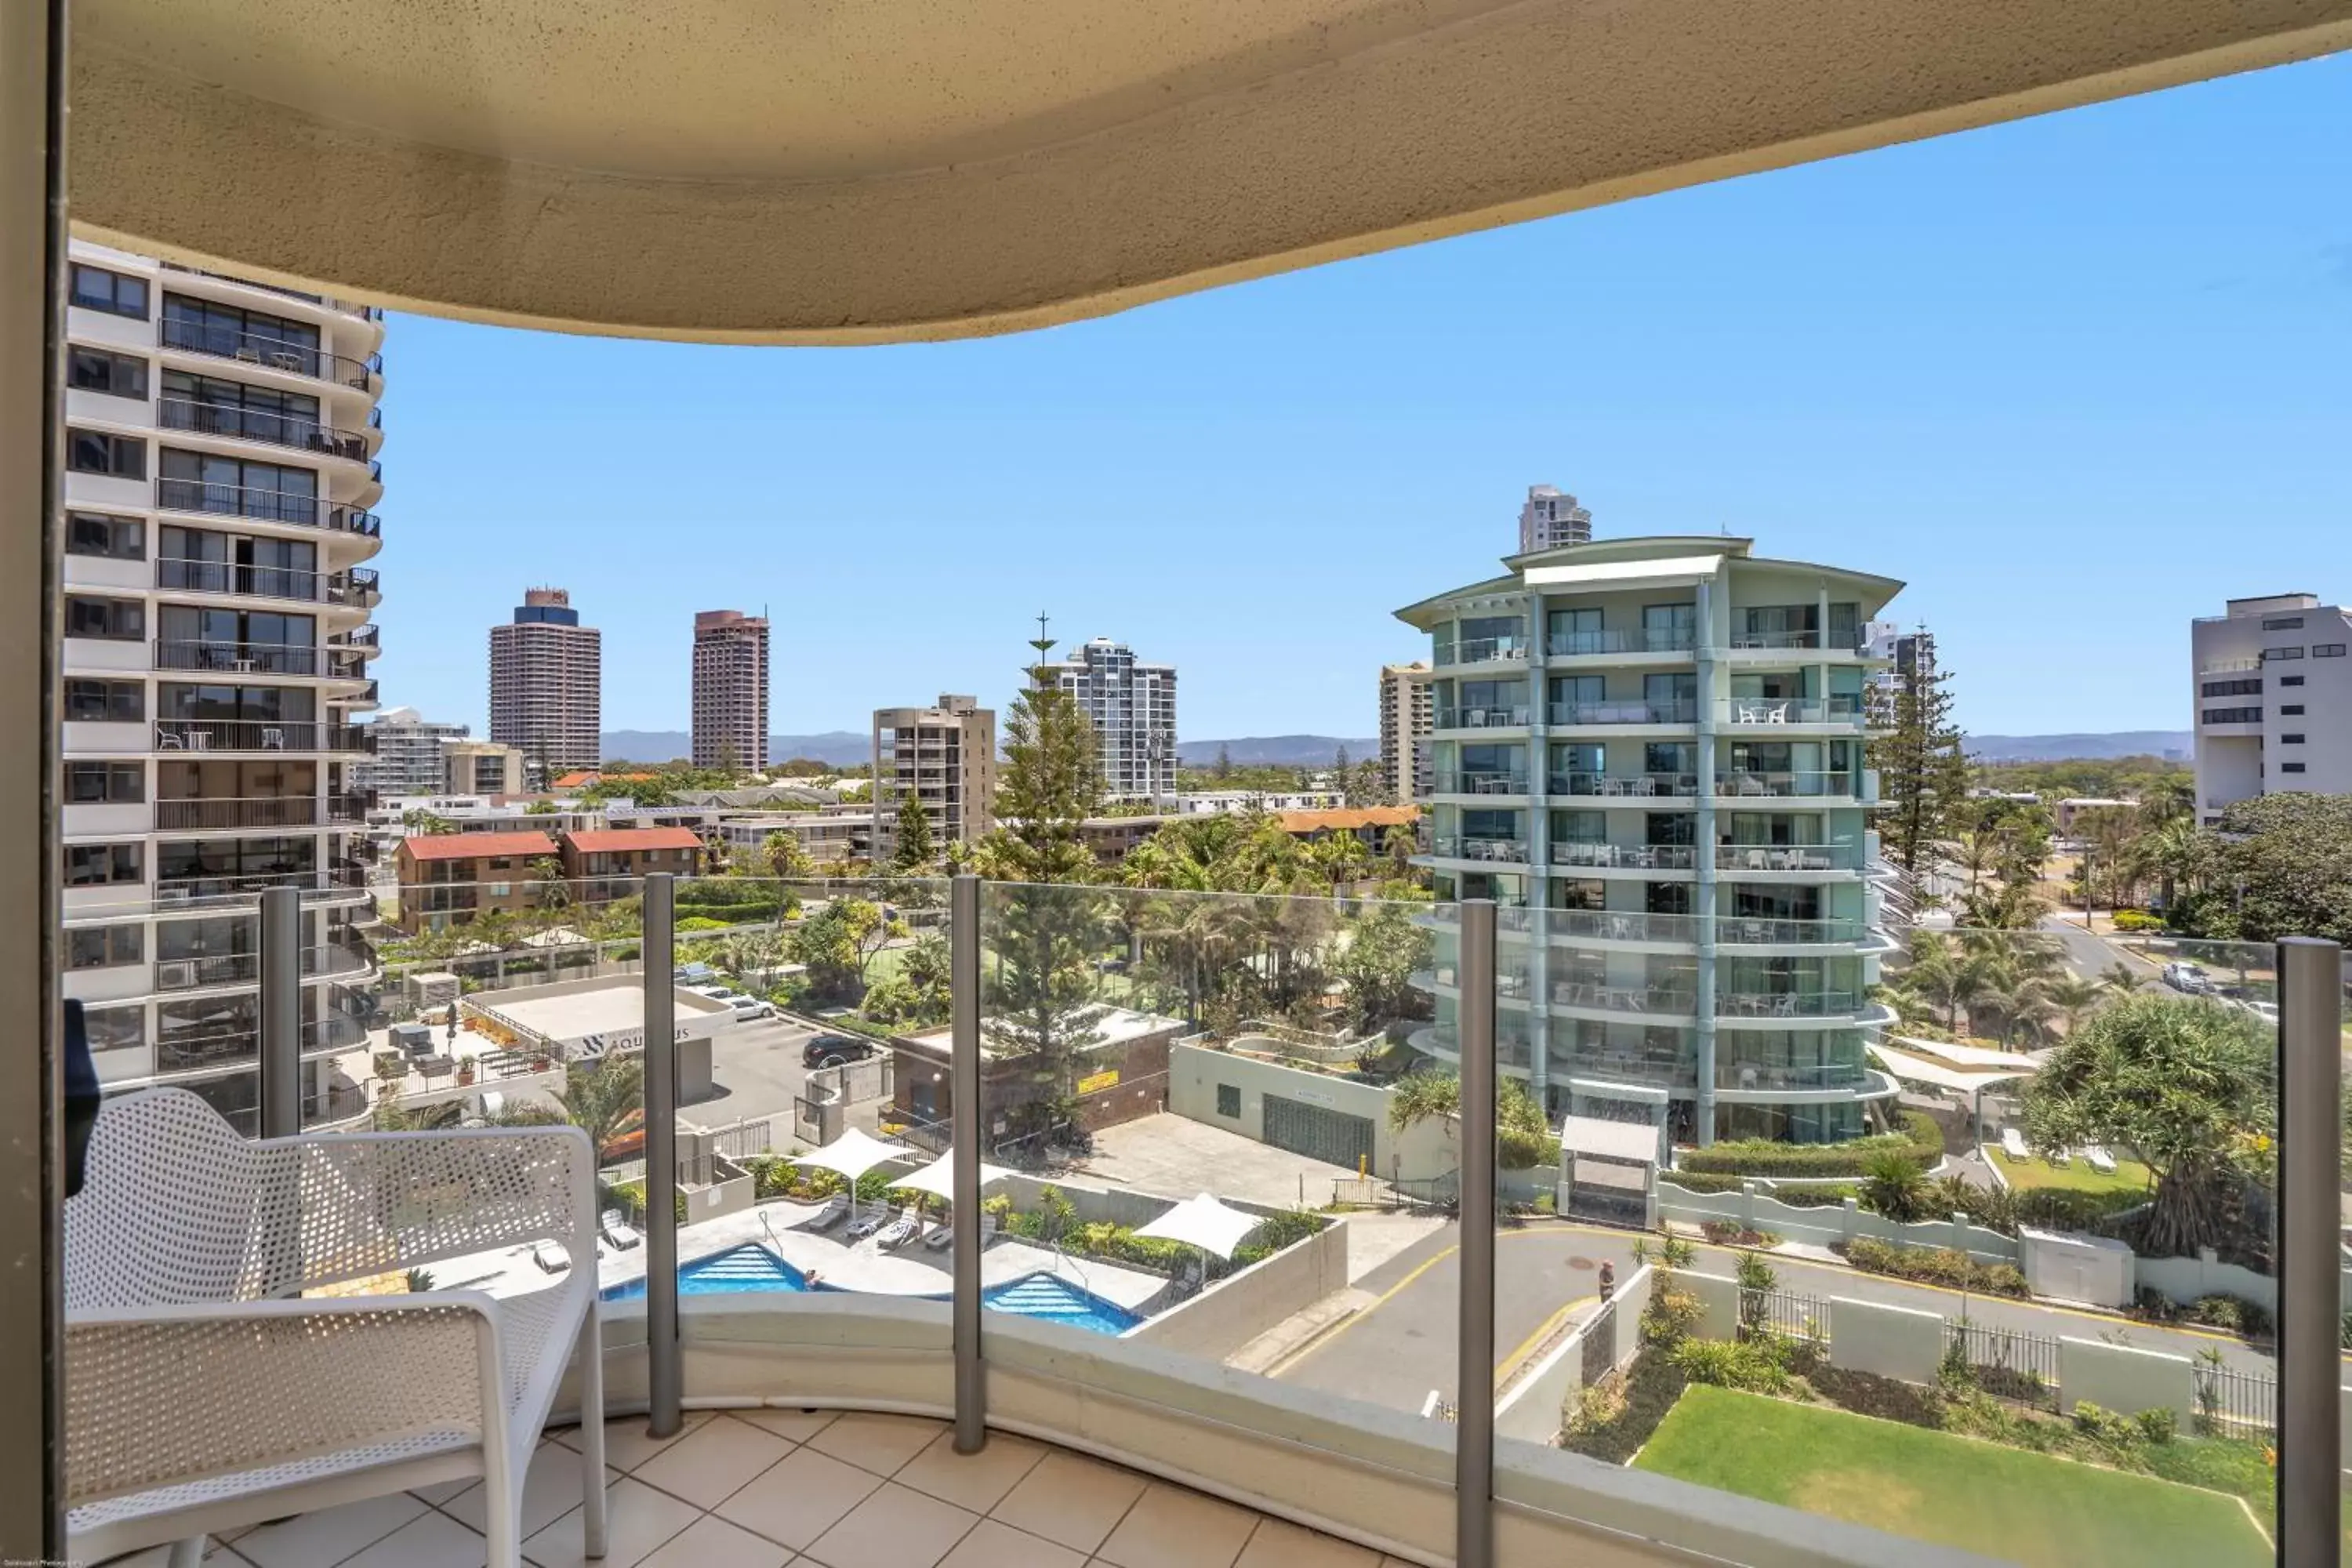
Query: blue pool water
x=753 y=1267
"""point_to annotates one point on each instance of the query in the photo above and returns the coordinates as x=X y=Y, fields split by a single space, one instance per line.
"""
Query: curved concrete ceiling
x=859 y=170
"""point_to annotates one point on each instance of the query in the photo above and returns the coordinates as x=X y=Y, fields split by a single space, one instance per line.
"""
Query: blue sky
x=2075 y=379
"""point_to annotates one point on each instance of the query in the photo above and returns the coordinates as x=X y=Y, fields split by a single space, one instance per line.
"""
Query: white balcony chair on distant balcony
x=205 y=1392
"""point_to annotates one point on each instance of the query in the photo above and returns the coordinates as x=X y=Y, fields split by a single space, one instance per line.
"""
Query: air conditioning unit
x=175 y=976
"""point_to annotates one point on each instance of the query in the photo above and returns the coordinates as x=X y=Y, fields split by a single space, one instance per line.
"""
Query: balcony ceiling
x=859 y=170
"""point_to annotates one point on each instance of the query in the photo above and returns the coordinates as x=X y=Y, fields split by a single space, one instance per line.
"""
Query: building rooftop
x=1112 y=1027
x=606 y=840
x=474 y=845
x=1348 y=818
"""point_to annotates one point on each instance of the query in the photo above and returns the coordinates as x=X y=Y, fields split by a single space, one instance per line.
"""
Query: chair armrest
x=165 y=1395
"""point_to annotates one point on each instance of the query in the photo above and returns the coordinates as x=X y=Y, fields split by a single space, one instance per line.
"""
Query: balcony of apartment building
x=292 y=505
x=256 y=735
x=1575 y=640
x=258 y=352
x=235 y=421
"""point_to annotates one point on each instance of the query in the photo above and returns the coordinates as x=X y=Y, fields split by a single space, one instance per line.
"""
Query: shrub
x=2158 y=1426
x=1669 y=1318
x=1940 y=1266
x=1919 y=1137
x=1759 y=1365
x=1828 y=1194
x=1674 y=1252
x=2137 y=920
x=2233 y=1314
x=1275 y=1233
x=1893 y=1186
x=2108 y=1428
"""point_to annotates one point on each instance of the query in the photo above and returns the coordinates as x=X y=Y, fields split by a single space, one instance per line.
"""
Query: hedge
x=1921 y=1138
x=1942 y=1265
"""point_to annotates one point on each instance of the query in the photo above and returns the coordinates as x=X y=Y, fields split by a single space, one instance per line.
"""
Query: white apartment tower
x=404 y=755
x=547 y=674
x=945 y=756
x=2273 y=701
x=1133 y=707
x=221 y=445
x=1550 y=519
x=1406 y=706
x=730 y=690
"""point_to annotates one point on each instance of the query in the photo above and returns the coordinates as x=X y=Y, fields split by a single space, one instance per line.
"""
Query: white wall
x=1234 y=1311
x=1903 y=1342
x=2125 y=1378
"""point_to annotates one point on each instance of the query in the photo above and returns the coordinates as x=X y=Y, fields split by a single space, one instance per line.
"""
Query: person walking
x=1608 y=1281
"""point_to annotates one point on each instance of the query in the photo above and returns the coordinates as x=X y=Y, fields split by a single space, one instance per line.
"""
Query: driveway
x=755 y=1068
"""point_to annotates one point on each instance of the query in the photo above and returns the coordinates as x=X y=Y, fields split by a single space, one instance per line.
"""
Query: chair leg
x=592 y=1434
x=188 y=1553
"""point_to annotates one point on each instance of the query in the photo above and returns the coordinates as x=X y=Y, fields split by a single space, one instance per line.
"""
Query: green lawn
x=2009 y=1503
x=2130 y=1176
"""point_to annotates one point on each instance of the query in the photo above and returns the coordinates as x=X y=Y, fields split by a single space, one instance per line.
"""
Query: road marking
x=1511 y=1365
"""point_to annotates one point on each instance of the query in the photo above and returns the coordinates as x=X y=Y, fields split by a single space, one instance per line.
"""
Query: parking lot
x=756 y=1069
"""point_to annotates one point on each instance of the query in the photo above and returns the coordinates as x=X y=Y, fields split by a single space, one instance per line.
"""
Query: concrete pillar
x=1710 y=687
x=1538 y=857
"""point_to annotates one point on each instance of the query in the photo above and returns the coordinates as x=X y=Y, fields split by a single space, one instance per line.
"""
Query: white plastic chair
x=203 y=1392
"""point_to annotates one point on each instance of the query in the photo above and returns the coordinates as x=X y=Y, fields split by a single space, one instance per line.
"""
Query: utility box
x=437 y=989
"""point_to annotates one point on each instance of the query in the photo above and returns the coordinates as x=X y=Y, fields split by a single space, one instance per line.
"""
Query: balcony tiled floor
x=784 y=1489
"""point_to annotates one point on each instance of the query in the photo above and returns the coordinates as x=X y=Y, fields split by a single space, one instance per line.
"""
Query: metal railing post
x=2309 y=1267
x=1474 y=1400
x=963 y=1131
x=282 y=1012
x=665 y=1368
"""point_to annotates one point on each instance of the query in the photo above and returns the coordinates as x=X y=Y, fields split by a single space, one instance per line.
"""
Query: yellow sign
x=1094 y=1083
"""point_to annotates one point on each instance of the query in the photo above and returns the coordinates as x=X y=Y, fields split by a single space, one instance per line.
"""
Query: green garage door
x=1318 y=1132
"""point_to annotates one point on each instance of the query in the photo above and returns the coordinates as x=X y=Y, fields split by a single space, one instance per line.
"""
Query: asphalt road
x=756 y=1069
x=1402 y=1346
x=2088 y=956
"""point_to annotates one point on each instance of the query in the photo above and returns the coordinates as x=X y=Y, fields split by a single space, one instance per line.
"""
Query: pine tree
x=914 y=853
x=1923 y=773
x=1052 y=783
x=1224 y=766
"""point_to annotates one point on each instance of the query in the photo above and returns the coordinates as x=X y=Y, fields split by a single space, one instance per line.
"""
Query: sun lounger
x=2099 y=1160
x=896 y=1234
x=866 y=1227
x=2012 y=1143
x=939 y=1241
x=836 y=1209
x=617 y=1230
x=550 y=1257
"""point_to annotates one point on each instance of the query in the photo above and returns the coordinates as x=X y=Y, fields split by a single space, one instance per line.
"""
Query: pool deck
x=844 y=1265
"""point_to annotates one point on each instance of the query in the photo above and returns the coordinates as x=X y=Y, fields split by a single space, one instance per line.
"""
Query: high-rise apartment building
x=2273 y=689
x=1650 y=749
x=1550 y=519
x=945 y=756
x=482 y=767
x=1133 y=707
x=547 y=676
x=1907 y=664
x=404 y=755
x=730 y=690
x=1406 y=704
x=221 y=445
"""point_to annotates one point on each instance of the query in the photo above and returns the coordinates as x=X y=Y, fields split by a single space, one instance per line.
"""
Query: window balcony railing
x=1576 y=714
x=256 y=735
x=1623 y=925
x=1847 y=642
x=364 y=637
x=180 y=575
x=1463 y=846
x=264 y=505
x=257 y=811
x=1482 y=784
x=275 y=353
x=247 y=884
x=1481 y=718
x=1653 y=1068
x=1479 y=651
x=1746 y=784
x=1624 y=857
x=1786 y=1004
x=243 y=424
x=358 y=588
x=1788 y=856
x=1816 y=1076
x=239 y=659
x=1749 y=711
x=1661 y=639
x=1667 y=1001
x=1637 y=786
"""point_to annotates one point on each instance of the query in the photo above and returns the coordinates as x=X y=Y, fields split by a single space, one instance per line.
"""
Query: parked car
x=744 y=1007
x=2182 y=976
x=831 y=1050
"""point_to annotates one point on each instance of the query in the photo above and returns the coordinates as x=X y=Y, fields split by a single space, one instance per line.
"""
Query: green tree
x=838 y=943
x=1382 y=949
x=1893 y=1186
x=1050 y=783
x=549 y=890
x=1224 y=764
x=422 y=823
x=787 y=861
x=1523 y=1136
x=2278 y=865
x=1923 y=773
x=2073 y=997
x=599 y=1096
x=2185 y=1084
x=913 y=855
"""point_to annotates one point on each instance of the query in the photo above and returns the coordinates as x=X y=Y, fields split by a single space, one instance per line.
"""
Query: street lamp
x=2086 y=884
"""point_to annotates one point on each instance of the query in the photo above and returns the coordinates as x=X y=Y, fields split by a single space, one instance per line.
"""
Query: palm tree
x=1892 y=1185
x=598 y=1097
x=2072 y=997
x=2118 y=979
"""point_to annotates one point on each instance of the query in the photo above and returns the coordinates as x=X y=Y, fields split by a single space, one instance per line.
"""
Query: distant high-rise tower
x=547 y=674
x=945 y=756
x=1406 y=713
x=1551 y=520
x=1133 y=707
x=730 y=690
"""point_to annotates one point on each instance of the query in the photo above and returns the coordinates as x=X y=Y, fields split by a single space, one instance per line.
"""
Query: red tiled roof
x=1348 y=819
x=576 y=780
x=474 y=845
x=610 y=839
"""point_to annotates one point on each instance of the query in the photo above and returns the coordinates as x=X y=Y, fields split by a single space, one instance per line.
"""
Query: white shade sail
x=1204 y=1223
x=853 y=1154
x=937 y=1178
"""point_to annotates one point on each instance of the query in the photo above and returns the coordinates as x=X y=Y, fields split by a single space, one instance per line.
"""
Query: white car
x=2185 y=977
x=744 y=1007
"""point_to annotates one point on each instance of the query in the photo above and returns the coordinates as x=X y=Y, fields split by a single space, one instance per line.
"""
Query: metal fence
x=2241 y=1403
x=1784 y=1312
x=2008 y=1364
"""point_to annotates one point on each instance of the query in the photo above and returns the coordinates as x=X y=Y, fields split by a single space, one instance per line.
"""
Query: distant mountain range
x=846 y=746
x=2070 y=748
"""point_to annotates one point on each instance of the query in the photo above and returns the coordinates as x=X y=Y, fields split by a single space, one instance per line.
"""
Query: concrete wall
x=1422 y=1153
x=1530 y=1411
x=1238 y=1308
x=1903 y=1342
x=2125 y=1378
x=2095 y=1271
x=2186 y=1279
x=1756 y=1208
x=1719 y=1298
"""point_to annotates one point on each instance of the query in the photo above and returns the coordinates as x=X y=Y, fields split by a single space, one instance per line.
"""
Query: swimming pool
x=751 y=1266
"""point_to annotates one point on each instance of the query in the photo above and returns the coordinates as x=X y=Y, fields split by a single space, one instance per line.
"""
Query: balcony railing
x=1482 y=784
x=232 y=577
x=1573 y=714
x=259 y=424
x=1741 y=711
x=1769 y=1075
x=1637 y=786
x=1786 y=1004
x=1742 y=784
x=1624 y=857
x=1480 y=717
x=367 y=638
x=260 y=811
x=256 y=735
x=243 y=884
x=358 y=587
x=1674 y=1001
x=1846 y=643
x=264 y=505
x=1479 y=651
x=1787 y=856
x=255 y=348
x=1453 y=846
x=239 y=659
x=1663 y=639
x=1655 y=1068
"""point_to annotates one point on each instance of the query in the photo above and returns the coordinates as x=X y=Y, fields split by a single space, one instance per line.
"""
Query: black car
x=831 y=1050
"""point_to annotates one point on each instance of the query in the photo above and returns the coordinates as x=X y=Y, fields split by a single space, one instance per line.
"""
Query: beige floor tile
x=709 y=1464
x=712 y=1543
x=798 y=1498
x=976 y=1481
x=440 y=1493
x=1278 y=1543
x=551 y=1488
x=638 y=1521
x=433 y=1540
x=994 y=1545
x=895 y=1528
x=876 y=1442
x=329 y=1535
x=626 y=1443
x=1172 y=1528
x=799 y=1426
x=1070 y=1499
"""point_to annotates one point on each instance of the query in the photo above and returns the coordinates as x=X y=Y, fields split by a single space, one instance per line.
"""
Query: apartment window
x=114 y=538
x=115 y=1028
x=104 y=947
x=2283 y=623
x=223 y=330
x=2291 y=767
x=106 y=701
x=2291 y=711
x=105 y=784
x=2297 y=680
x=2290 y=740
x=2232 y=716
x=118 y=620
x=95 y=369
x=101 y=865
x=2328 y=650
x=1229 y=1100
x=2272 y=655
x=116 y=293
x=94 y=452
x=2232 y=688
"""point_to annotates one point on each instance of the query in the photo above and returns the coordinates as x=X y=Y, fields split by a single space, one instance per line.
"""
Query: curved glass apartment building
x=1650 y=752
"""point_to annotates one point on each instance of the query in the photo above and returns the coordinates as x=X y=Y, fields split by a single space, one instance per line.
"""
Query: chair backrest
x=171 y=1207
